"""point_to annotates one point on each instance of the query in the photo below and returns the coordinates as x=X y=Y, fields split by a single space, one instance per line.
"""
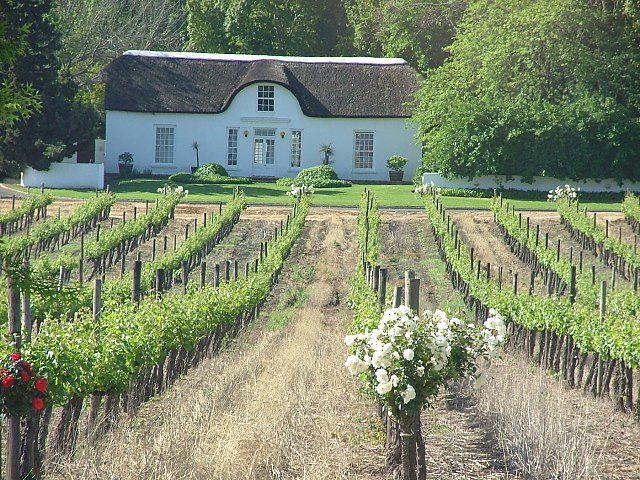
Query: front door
x=264 y=151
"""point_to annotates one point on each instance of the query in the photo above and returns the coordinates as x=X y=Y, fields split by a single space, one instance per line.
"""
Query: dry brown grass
x=276 y=405
x=542 y=434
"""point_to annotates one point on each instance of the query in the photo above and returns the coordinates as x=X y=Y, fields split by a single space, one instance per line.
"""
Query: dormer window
x=266 y=97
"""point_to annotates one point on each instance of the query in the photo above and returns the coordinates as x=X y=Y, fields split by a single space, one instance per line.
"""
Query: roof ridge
x=228 y=57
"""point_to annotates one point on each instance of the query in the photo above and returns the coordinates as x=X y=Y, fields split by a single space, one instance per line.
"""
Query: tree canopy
x=295 y=27
x=17 y=101
x=535 y=87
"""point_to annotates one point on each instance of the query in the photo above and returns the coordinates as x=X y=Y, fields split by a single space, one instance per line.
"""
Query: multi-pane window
x=264 y=146
x=266 y=98
x=296 y=147
x=363 y=150
x=165 y=140
x=232 y=146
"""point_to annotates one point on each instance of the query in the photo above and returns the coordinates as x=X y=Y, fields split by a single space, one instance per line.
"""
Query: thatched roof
x=163 y=82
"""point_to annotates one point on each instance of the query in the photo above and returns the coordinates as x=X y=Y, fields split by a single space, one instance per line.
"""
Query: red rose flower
x=41 y=384
x=15 y=356
x=8 y=381
x=25 y=376
x=37 y=403
x=27 y=367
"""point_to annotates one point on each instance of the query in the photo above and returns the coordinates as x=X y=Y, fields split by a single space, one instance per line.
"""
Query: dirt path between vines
x=277 y=404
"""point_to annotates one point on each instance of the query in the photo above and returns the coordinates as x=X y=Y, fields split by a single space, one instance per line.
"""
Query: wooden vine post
x=603 y=312
x=12 y=461
x=137 y=277
x=410 y=427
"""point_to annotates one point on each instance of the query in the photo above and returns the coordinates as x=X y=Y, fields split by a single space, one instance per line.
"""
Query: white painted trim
x=354 y=169
x=155 y=145
x=224 y=57
x=227 y=166
x=291 y=130
x=265 y=119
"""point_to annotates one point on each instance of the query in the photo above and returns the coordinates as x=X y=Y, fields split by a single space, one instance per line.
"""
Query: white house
x=260 y=116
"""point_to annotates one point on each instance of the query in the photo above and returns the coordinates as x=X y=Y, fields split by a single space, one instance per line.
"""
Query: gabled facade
x=258 y=115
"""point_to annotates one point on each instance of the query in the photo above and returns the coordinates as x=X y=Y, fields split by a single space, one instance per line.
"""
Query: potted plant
x=395 y=164
x=327 y=149
x=196 y=146
x=125 y=163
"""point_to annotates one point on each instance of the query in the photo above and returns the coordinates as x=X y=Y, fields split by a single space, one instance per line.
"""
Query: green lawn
x=272 y=194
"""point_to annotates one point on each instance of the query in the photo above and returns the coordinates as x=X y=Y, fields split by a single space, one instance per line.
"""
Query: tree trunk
x=408 y=439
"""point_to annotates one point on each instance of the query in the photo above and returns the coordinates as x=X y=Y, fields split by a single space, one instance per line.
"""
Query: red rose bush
x=22 y=391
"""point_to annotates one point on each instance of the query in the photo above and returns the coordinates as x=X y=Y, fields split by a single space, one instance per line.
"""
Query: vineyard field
x=244 y=378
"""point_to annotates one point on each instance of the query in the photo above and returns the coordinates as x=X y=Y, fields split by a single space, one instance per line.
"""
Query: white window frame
x=267 y=136
x=262 y=98
x=172 y=146
x=370 y=169
x=291 y=152
x=229 y=147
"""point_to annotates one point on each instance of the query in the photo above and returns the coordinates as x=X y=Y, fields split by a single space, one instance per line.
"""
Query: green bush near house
x=211 y=170
x=320 y=176
x=211 y=173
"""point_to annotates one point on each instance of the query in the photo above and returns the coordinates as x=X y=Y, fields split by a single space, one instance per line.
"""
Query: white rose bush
x=180 y=190
x=406 y=360
x=298 y=191
x=567 y=192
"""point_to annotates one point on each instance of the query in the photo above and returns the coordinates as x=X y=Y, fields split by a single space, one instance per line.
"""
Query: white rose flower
x=384 y=388
x=409 y=394
x=349 y=340
x=355 y=365
x=382 y=376
x=408 y=354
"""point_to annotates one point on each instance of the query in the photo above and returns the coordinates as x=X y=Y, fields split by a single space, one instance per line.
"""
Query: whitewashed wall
x=135 y=132
x=539 y=183
x=65 y=175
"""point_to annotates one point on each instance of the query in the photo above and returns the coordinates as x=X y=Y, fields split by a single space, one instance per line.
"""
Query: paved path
x=8 y=192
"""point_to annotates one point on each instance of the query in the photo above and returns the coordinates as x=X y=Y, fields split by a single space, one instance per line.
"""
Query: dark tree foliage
x=536 y=87
x=16 y=101
x=62 y=122
x=417 y=30
x=295 y=27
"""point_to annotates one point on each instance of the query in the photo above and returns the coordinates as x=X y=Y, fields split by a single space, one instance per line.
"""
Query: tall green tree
x=17 y=102
x=296 y=27
x=52 y=133
x=535 y=87
x=416 y=30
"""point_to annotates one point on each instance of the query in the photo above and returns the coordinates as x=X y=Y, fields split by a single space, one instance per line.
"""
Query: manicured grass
x=272 y=194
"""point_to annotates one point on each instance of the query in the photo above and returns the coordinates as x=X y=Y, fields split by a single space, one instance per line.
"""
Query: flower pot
x=125 y=168
x=193 y=170
x=396 y=176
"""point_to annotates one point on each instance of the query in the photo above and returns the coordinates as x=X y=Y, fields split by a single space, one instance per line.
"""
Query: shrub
x=181 y=178
x=285 y=181
x=210 y=170
x=396 y=163
x=187 y=178
x=320 y=176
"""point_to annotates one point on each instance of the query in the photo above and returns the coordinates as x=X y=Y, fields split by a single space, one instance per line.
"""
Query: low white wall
x=539 y=183
x=65 y=175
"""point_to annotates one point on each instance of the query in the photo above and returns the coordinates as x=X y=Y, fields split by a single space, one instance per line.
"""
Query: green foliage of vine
x=580 y=221
x=113 y=237
x=617 y=337
x=28 y=207
x=363 y=300
x=13 y=246
x=83 y=356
